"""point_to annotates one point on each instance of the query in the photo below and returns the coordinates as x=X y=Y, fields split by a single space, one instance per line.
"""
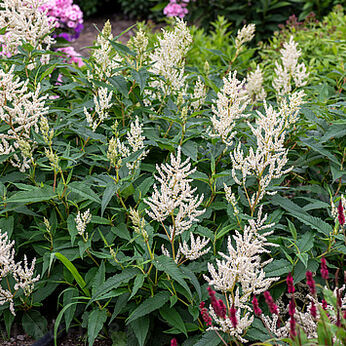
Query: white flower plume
x=175 y=198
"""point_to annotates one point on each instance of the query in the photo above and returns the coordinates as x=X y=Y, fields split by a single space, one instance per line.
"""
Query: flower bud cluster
x=196 y=249
x=82 y=220
x=117 y=150
x=254 y=85
x=244 y=35
x=23 y=275
x=138 y=223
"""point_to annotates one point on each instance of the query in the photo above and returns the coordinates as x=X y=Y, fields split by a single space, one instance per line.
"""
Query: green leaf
x=193 y=279
x=149 y=305
x=306 y=242
x=8 y=320
x=140 y=327
x=107 y=195
x=99 y=278
x=140 y=77
x=114 y=282
x=209 y=338
x=292 y=229
x=68 y=296
x=119 y=305
x=7 y=225
x=34 y=324
x=34 y=195
x=138 y=283
x=297 y=212
x=96 y=320
x=58 y=320
x=73 y=270
x=84 y=191
x=172 y=316
x=120 y=84
x=168 y=266
x=189 y=149
x=304 y=257
x=277 y=268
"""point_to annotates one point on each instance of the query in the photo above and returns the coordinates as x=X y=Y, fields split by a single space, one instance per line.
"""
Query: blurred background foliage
x=266 y=14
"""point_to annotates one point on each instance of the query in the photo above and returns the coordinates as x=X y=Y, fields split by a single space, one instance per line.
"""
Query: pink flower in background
x=72 y=55
x=176 y=9
x=66 y=14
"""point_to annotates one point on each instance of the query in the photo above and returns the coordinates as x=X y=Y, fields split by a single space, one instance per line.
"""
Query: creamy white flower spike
x=231 y=103
x=82 y=220
x=106 y=61
x=23 y=276
x=289 y=71
x=242 y=265
x=196 y=247
x=21 y=109
x=254 y=85
x=199 y=94
x=118 y=150
x=268 y=160
x=102 y=103
x=244 y=35
x=175 y=199
x=24 y=21
x=167 y=58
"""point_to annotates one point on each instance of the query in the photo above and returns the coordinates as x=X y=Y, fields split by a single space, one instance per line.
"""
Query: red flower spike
x=270 y=302
x=313 y=310
x=292 y=307
x=222 y=309
x=344 y=314
x=205 y=314
x=233 y=316
x=215 y=303
x=324 y=269
x=324 y=304
x=341 y=215
x=290 y=283
x=293 y=331
x=256 y=309
x=310 y=282
x=174 y=342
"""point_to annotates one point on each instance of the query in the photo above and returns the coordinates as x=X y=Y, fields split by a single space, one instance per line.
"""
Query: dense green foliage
x=114 y=279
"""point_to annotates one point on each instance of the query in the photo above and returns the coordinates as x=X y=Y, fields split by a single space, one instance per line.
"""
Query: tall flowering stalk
x=268 y=160
x=168 y=59
x=289 y=71
x=104 y=60
x=21 y=110
x=23 y=275
x=118 y=150
x=175 y=200
x=231 y=103
x=239 y=275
